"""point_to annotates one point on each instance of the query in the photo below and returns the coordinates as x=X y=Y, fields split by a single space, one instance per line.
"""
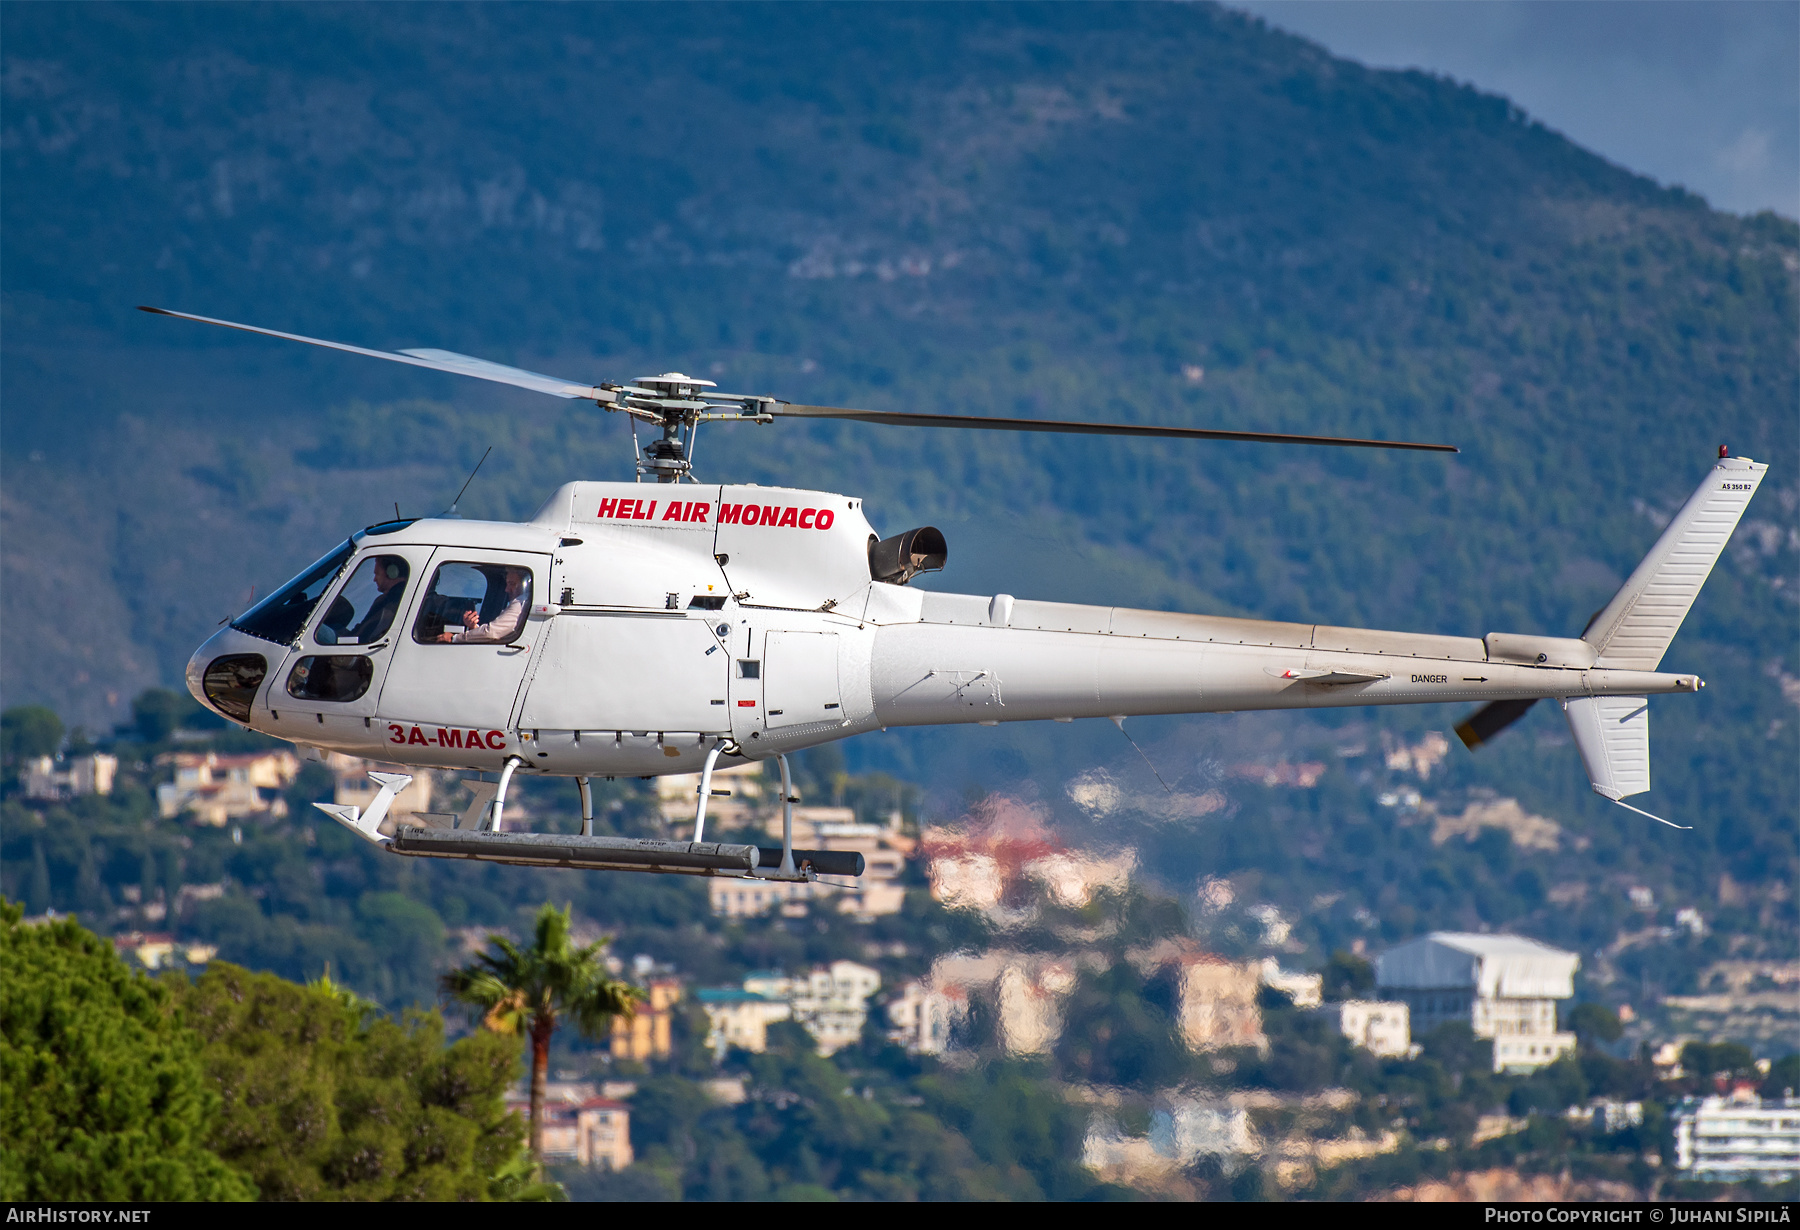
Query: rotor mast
x=677 y=404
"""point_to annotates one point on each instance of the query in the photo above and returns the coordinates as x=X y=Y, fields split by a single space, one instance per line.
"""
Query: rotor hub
x=674 y=384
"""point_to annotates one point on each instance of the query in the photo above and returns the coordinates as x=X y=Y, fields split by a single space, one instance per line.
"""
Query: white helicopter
x=636 y=630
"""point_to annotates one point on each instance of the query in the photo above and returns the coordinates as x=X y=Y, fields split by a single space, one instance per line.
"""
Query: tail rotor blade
x=1491 y=719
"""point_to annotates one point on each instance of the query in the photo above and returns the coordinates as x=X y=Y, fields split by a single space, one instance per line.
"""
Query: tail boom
x=931 y=674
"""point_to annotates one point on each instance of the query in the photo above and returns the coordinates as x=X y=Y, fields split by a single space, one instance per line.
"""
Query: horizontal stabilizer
x=1633 y=631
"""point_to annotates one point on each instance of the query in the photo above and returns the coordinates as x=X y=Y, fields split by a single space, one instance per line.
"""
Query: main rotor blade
x=436 y=360
x=1491 y=719
x=894 y=419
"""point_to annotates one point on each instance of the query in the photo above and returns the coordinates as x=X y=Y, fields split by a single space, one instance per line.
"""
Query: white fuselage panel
x=666 y=619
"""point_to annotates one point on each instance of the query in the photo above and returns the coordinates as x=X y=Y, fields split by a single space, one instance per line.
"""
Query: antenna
x=1119 y=721
x=451 y=511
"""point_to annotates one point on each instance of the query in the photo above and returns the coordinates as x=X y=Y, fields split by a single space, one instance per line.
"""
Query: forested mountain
x=1165 y=214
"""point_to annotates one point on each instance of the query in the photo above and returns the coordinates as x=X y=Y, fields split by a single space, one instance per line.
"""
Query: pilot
x=502 y=626
x=390 y=579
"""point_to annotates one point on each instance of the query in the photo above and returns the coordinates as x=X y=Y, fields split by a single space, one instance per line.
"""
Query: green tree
x=1347 y=976
x=29 y=730
x=102 y=1091
x=1593 y=1022
x=1018 y=1124
x=1114 y=1035
x=1783 y=1078
x=326 y=1099
x=157 y=713
x=1717 y=1058
x=529 y=990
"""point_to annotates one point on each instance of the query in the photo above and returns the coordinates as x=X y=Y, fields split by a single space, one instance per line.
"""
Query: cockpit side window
x=365 y=608
x=474 y=604
x=283 y=614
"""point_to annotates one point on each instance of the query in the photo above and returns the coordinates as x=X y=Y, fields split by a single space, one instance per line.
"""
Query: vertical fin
x=1633 y=631
x=1612 y=734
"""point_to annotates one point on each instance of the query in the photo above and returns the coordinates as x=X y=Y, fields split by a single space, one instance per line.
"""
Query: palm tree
x=528 y=990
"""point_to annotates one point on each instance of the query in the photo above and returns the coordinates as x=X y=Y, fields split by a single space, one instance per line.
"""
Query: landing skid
x=473 y=836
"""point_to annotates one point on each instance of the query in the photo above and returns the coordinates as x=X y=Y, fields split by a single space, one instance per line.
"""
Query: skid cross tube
x=789 y=868
x=787 y=817
x=587 y=805
x=706 y=770
x=506 y=772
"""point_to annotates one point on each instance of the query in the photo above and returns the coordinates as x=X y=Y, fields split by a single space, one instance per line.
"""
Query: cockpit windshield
x=281 y=616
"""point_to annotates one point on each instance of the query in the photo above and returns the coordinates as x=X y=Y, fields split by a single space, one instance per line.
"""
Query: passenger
x=503 y=626
x=390 y=579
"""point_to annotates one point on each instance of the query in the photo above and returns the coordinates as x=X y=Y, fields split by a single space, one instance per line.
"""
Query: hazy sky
x=1702 y=93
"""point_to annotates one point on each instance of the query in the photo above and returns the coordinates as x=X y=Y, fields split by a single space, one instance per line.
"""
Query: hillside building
x=1013 y=855
x=1216 y=1003
x=581 y=1127
x=1306 y=990
x=748 y=897
x=1025 y=989
x=50 y=779
x=830 y=1002
x=1612 y=1115
x=1030 y=995
x=157 y=950
x=1380 y=1027
x=1733 y=1139
x=218 y=788
x=1504 y=987
x=739 y=1018
x=921 y=1016
x=1187 y=1129
x=647 y=1033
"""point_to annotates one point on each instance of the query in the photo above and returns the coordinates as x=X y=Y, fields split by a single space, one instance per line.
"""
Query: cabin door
x=464 y=655
x=650 y=673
